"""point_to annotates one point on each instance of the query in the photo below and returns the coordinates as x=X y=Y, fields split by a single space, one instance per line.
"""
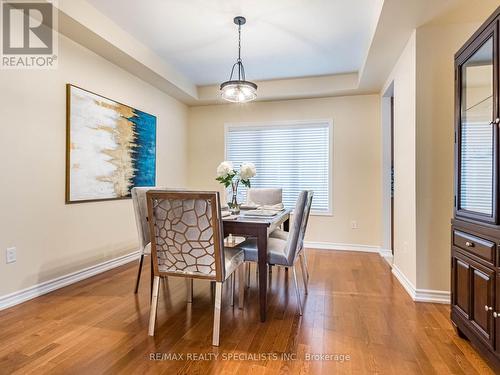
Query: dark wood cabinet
x=475 y=232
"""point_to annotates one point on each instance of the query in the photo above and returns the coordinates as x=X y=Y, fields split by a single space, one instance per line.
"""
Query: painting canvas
x=111 y=148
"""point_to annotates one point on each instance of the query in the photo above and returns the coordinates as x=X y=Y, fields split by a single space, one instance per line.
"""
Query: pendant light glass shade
x=238 y=90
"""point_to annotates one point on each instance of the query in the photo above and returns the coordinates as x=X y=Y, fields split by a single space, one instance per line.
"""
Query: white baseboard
x=60 y=282
x=387 y=255
x=341 y=246
x=420 y=295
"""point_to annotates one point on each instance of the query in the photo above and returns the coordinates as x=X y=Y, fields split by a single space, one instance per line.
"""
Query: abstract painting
x=111 y=148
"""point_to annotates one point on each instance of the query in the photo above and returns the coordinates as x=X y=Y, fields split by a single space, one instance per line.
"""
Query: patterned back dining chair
x=187 y=241
x=264 y=196
x=141 y=221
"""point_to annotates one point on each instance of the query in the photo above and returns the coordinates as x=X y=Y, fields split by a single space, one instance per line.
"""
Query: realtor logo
x=29 y=40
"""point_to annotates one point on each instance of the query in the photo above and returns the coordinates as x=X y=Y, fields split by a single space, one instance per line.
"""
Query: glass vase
x=234 y=206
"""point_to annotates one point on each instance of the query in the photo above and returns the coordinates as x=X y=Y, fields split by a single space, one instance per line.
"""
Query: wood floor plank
x=355 y=311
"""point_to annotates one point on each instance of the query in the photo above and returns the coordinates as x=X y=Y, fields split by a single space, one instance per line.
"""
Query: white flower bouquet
x=230 y=177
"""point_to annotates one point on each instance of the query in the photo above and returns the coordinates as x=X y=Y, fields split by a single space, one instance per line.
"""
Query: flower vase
x=234 y=206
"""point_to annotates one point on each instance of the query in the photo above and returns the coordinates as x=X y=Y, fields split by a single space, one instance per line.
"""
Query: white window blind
x=293 y=156
x=476 y=187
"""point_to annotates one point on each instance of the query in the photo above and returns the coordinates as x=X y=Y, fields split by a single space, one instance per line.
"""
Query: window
x=294 y=156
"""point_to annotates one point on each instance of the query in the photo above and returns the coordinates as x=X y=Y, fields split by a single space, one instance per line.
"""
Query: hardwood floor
x=355 y=308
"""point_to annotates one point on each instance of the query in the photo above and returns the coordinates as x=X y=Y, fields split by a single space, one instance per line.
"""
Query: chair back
x=305 y=220
x=265 y=196
x=293 y=238
x=141 y=213
x=186 y=233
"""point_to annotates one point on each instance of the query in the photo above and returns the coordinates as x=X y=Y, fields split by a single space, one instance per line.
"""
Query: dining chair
x=283 y=252
x=187 y=241
x=265 y=196
x=262 y=197
x=141 y=221
x=283 y=235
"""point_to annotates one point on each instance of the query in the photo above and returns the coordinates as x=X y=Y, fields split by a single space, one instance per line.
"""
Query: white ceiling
x=282 y=38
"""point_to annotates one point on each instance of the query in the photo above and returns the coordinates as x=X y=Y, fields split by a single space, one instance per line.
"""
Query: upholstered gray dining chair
x=141 y=221
x=187 y=241
x=264 y=196
x=283 y=235
x=284 y=252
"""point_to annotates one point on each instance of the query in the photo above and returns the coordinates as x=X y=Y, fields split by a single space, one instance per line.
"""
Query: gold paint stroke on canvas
x=121 y=156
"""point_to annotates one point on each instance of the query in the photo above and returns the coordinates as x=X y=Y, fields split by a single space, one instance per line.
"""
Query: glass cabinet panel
x=477 y=133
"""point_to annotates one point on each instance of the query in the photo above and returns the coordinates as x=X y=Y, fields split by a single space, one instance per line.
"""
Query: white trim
x=404 y=281
x=341 y=246
x=294 y=123
x=387 y=255
x=37 y=290
x=420 y=295
x=434 y=296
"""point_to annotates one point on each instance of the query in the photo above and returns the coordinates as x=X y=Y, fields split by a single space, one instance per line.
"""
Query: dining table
x=259 y=228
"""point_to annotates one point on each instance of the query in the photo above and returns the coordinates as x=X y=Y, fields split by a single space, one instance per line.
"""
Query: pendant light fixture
x=238 y=90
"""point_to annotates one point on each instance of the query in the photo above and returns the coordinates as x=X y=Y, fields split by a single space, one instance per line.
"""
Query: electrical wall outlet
x=10 y=255
x=354 y=224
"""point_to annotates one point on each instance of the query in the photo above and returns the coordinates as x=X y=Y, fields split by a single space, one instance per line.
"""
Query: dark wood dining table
x=260 y=228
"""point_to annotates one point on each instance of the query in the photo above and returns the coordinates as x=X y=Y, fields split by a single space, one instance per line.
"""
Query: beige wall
x=356 y=157
x=52 y=238
x=403 y=79
x=437 y=42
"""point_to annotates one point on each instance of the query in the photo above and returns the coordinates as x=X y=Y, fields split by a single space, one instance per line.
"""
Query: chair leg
x=303 y=252
x=152 y=278
x=294 y=273
x=304 y=272
x=189 y=284
x=154 y=305
x=217 y=308
x=241 y=286
x=232 y=282
x=247 y=266
x=139 y=274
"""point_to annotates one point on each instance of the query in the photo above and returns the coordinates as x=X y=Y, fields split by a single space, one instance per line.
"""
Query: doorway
x=388 y=104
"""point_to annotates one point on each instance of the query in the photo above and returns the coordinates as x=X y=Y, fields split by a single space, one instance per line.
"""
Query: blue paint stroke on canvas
x=144 y=150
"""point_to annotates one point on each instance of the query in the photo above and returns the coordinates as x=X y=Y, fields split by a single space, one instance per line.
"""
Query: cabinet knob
x=488 y=308
x=495 y=314
x=469 y=244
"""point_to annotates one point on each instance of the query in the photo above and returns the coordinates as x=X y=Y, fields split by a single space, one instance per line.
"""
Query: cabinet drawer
x=477 y=246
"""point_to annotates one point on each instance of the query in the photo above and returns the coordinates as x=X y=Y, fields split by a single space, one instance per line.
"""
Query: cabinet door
x=496 y=316
x=477 y=130
x=483 y=286
x=461 y=286
x=473 y=295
